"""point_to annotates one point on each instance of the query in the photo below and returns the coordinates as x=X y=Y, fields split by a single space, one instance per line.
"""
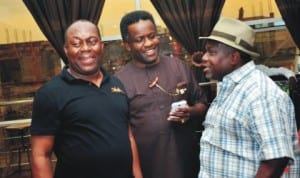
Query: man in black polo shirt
x=82 y=116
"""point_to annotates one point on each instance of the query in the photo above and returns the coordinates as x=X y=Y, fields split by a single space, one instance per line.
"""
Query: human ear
x=235 y=58
x=66 y=51
x=102 y=45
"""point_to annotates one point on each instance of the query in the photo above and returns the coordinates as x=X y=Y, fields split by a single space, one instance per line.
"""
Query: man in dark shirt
x=167 y=142
x=82 y=115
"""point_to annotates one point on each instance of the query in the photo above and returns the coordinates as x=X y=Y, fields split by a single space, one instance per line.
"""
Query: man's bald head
x=78 y=24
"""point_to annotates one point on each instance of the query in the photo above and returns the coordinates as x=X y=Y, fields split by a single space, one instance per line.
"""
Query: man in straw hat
x=250 y=128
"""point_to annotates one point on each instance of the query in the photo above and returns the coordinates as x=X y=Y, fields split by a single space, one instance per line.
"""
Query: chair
x=17 y=141
x=292 y=86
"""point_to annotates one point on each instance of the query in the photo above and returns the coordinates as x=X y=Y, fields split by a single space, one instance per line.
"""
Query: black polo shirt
x=90 y=125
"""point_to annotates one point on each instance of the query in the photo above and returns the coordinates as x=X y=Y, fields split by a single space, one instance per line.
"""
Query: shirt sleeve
x=271 y=127
x=45 y=116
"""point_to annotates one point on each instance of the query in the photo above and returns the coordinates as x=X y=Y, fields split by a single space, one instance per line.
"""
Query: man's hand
x=180 y=115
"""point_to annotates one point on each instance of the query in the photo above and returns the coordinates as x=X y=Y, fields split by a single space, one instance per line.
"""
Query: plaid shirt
x=250 y=120
x=293 y=171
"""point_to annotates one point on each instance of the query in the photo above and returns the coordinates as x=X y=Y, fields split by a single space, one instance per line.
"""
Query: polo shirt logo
x=116 y=90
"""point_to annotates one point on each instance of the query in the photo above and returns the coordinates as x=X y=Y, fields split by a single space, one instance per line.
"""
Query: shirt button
x=161 y=107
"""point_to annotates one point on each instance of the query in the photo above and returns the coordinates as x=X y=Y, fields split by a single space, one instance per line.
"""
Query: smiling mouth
x=150 y=52
x=206 y=69
x=87 y=59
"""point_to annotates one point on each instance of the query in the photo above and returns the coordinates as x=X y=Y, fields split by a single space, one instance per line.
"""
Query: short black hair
x=131 y=18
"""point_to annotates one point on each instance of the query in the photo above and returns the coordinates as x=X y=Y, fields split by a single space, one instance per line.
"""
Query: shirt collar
x=237 y=75
x=68 y=77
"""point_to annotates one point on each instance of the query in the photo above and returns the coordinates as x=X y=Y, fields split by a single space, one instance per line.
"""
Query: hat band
x=232 y=38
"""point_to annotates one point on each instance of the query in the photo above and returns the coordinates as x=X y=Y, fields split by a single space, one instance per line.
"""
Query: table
x=20 y=101
x=19 y=128
x=17 y=121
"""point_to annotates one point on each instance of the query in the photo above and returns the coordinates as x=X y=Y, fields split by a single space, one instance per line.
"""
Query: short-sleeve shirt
x=90 y=125
x=250 y=120
x=166 y=149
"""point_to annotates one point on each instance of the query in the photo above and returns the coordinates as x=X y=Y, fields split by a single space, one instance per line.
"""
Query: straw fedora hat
x=234 y=33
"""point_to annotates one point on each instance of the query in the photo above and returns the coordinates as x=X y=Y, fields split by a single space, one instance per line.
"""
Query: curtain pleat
x=290 y=12
x=54 y=16
x=189 y=19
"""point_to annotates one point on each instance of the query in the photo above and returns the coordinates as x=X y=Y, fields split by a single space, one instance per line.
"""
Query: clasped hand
x=180 y=115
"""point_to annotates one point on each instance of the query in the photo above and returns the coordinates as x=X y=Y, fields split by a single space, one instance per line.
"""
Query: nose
x=204 y=57
x=148 y=42
x=85 y=46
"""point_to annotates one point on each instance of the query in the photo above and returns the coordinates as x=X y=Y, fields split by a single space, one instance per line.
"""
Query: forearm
x=41 y=167
x=272 y=168
x=135 y=157
x=198 y=109
x=41 y=152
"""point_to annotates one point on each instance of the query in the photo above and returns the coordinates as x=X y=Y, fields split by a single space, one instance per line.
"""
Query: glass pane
x=277 y=48
x=112 y=13
x=17 y=24
x=253 y=8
